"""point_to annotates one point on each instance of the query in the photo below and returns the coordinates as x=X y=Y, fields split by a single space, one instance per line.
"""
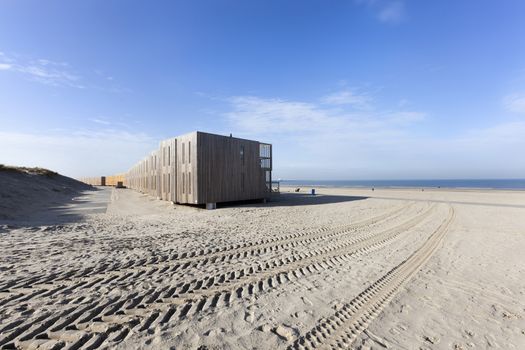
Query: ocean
x=507 y=184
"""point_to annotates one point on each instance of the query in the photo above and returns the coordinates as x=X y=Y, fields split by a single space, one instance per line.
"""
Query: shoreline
x=462 y=189
x=447 y=184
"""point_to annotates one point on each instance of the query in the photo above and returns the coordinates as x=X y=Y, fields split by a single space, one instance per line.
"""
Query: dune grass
x=27 y=170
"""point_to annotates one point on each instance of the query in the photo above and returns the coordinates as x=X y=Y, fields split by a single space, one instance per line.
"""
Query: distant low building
x=203 y=168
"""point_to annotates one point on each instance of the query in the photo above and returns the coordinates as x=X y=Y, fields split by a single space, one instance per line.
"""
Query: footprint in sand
x=249 y=316
x=307 y=301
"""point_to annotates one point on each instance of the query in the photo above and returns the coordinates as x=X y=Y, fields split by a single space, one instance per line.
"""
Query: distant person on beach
x=297 y=189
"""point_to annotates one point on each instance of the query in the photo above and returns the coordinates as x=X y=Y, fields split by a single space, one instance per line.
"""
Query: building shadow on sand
x=293 y=199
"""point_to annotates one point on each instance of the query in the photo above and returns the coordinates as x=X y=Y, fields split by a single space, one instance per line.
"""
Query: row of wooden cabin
x=203 y=168
x=94 y=181
x=112 y=180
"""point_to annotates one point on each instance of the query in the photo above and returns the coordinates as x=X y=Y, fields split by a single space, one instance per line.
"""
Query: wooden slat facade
x=113 y=180
x=168 y=166
x=187 y=169
x=94 y=181
x=201 y=168
x=229 y=169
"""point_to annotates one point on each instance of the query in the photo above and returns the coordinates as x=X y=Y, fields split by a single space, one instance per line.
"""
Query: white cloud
x=42 y=70
x=100 y=121
x=387 y=11
x=392 y=12
x=251 y=114
x=55 y=73
x=84 y=152
x=515 y=102
x=51 y=74
x=348 y=97
x=254 y=114
x=314 y=141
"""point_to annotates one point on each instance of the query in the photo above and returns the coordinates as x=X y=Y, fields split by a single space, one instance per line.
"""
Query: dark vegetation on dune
x=26 y=170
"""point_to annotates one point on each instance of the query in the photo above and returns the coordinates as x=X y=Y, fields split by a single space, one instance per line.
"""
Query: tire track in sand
x=179 y=271
x=194 y=259
x=106 y=323
x=342 y=328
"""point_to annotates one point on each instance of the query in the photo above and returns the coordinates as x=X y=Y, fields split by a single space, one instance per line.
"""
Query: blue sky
x=355 y=89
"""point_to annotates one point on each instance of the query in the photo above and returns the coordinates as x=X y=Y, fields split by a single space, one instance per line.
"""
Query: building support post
x=211 y=206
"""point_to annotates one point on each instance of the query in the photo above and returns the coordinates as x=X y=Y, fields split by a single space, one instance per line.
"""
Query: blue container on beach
x=313 y=191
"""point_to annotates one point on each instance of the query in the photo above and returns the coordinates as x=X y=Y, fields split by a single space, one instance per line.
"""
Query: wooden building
x=94 y=181
x=203 y=168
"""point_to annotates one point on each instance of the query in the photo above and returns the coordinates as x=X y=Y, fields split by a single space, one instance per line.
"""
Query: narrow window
x=183 y=154
x=183 y=183
x=242 y=182
x=169 y=183
x=169 y=158
x=242 y=155
x=189 y=151
x=189 y=181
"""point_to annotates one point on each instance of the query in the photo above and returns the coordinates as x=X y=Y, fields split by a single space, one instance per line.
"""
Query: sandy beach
x=383 y=269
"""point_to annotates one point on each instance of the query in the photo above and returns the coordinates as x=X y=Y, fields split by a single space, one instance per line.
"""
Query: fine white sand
x=446 y=271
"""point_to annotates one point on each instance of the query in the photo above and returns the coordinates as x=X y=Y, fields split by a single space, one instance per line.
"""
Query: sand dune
x=348 y=268
x=31 y=194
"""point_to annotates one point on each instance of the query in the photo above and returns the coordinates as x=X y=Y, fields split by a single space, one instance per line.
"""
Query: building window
x=183 y=183
x=265 y=155
x=242 y=155
x=169 y=158
x=189 y=151
x=189 y=182
x=183 y=154
x=242 y=182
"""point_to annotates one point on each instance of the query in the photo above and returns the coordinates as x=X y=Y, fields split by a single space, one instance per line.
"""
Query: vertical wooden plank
x=214 y=168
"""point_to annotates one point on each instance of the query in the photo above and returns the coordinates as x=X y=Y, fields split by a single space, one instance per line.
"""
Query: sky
x=343 y=89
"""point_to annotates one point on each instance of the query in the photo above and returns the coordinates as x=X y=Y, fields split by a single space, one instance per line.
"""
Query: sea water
x=509 y=184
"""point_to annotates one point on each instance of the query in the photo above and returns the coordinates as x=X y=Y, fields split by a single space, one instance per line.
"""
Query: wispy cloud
x=273 y=115
x=42 y=70
x=100 y=121
x=116 y=122
x=392 y=12
x=348 y=97
x=387 y=11
x=255 y=114
x=318 y=140
x=515 y=102
x=59 y=74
